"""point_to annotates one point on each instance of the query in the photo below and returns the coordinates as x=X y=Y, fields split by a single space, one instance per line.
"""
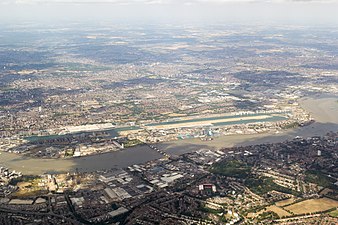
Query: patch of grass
x=233 y=168
x=334 y=213
x=131 y=143
x=269 y=215
x=212 y=211
x=24 y=178
x=290 y=125
x=69 y=152
x=317 y=177
x=21 y=194
x=262 y=186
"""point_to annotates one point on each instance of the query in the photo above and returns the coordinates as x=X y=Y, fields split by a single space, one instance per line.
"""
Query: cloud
x=119 y=2
x=163 y=2
x=177 y=11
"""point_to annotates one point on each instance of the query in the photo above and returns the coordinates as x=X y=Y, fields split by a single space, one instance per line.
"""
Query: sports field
x=312 y=205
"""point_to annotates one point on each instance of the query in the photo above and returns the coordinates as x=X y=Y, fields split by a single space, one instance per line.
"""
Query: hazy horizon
x=297 y=12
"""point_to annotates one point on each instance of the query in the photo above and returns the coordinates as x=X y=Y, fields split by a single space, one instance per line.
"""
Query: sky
x=319 y=12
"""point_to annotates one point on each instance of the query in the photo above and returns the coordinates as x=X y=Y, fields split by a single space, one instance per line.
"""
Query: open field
x=312 y=205
x=285 y=202
x=281 y=212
